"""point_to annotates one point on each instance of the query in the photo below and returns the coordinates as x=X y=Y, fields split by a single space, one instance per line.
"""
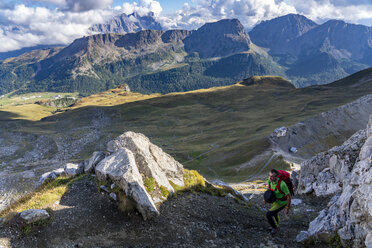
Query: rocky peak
x=85 y=45
x=175 y=35
x=127 y=24
x=340 y=39
x=218 y=39
x=140 y=39
x=276 y=33
x=225 y=26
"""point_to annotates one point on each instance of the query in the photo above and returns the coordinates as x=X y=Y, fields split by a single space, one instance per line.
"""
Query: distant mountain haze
x=124 y=23
x=321 y=53
x=216 y=54
x=218 y=39
x=277 y=33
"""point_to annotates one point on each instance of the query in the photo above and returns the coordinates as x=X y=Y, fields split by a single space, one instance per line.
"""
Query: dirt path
x=86 y=218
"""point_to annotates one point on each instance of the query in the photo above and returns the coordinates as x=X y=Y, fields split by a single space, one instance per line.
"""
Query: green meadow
x=215 y=131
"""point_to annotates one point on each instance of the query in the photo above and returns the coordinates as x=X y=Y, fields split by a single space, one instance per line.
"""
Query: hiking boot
x=274 y=231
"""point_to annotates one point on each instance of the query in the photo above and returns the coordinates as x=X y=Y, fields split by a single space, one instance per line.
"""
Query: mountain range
x=216 y=54
x=124 y=23
x=315 y=53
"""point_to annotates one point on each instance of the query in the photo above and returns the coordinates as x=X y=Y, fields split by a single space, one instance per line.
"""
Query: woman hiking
x=283 y=200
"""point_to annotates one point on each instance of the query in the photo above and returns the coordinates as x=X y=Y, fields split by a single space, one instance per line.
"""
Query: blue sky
x=25 y=23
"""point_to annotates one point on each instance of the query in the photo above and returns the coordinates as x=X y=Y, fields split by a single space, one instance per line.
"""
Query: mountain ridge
x=216 y=54
x=124 y=23
x=153 y=60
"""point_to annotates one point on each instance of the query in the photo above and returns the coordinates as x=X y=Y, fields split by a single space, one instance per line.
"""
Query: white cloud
x=26 y=26
x=22 y=26
x=249 y=12
x=57 y=2
x=323 y=10
x=144 y=7
x=85 y=5
x=78 y=5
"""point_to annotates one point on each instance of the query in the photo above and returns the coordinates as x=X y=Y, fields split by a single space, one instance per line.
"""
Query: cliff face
x=346 y=173
x=217 y=39
x=124 y=23
x=277 y=33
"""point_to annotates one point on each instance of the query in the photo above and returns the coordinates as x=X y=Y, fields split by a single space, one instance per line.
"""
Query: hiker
x=282 y=199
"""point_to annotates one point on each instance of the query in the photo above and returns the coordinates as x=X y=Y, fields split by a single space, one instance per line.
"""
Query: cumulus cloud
x=143 y=7
x=322 y=10
x=25 y=26
x=249 y=12
x=84 y=5
x=78 y=5
x=56 y=2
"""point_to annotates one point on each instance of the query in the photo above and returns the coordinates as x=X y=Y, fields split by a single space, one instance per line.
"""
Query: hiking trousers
x=273 y=214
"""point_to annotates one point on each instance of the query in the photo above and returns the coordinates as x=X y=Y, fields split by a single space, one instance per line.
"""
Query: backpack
x=269 y=196
x=286 y=177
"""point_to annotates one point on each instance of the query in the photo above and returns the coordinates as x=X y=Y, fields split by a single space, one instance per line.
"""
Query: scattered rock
x=296 y=202
x=225 y=185
x=32 y=215
x=113 y=196
x=230 y=195
x=51 y=175
x=73 y=169
x=302 y=236
x=104 y=188
x=93 y=161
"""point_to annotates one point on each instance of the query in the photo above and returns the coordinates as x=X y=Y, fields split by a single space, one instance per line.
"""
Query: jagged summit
x=276 y=33
x=124 y=23
x=340 y=39
x=218 y=39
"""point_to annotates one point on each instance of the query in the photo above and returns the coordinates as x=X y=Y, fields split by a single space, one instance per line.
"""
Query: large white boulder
x=151 y=160
x=122 y=169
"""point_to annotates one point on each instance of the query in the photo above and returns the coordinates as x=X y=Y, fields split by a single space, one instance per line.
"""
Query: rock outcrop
x=348 y=171
x=33 y=215
x=121 y=168
x=133 y=160
x=326 y=173
x=150 y=159
x=133 y=171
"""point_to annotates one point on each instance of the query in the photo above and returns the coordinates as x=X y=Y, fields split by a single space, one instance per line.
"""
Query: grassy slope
x=213 y=130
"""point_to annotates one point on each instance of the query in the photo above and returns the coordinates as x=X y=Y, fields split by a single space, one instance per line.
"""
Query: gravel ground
x=86 y=218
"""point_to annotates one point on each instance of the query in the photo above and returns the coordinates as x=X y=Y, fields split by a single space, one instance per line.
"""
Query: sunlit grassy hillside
x=215 y=131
